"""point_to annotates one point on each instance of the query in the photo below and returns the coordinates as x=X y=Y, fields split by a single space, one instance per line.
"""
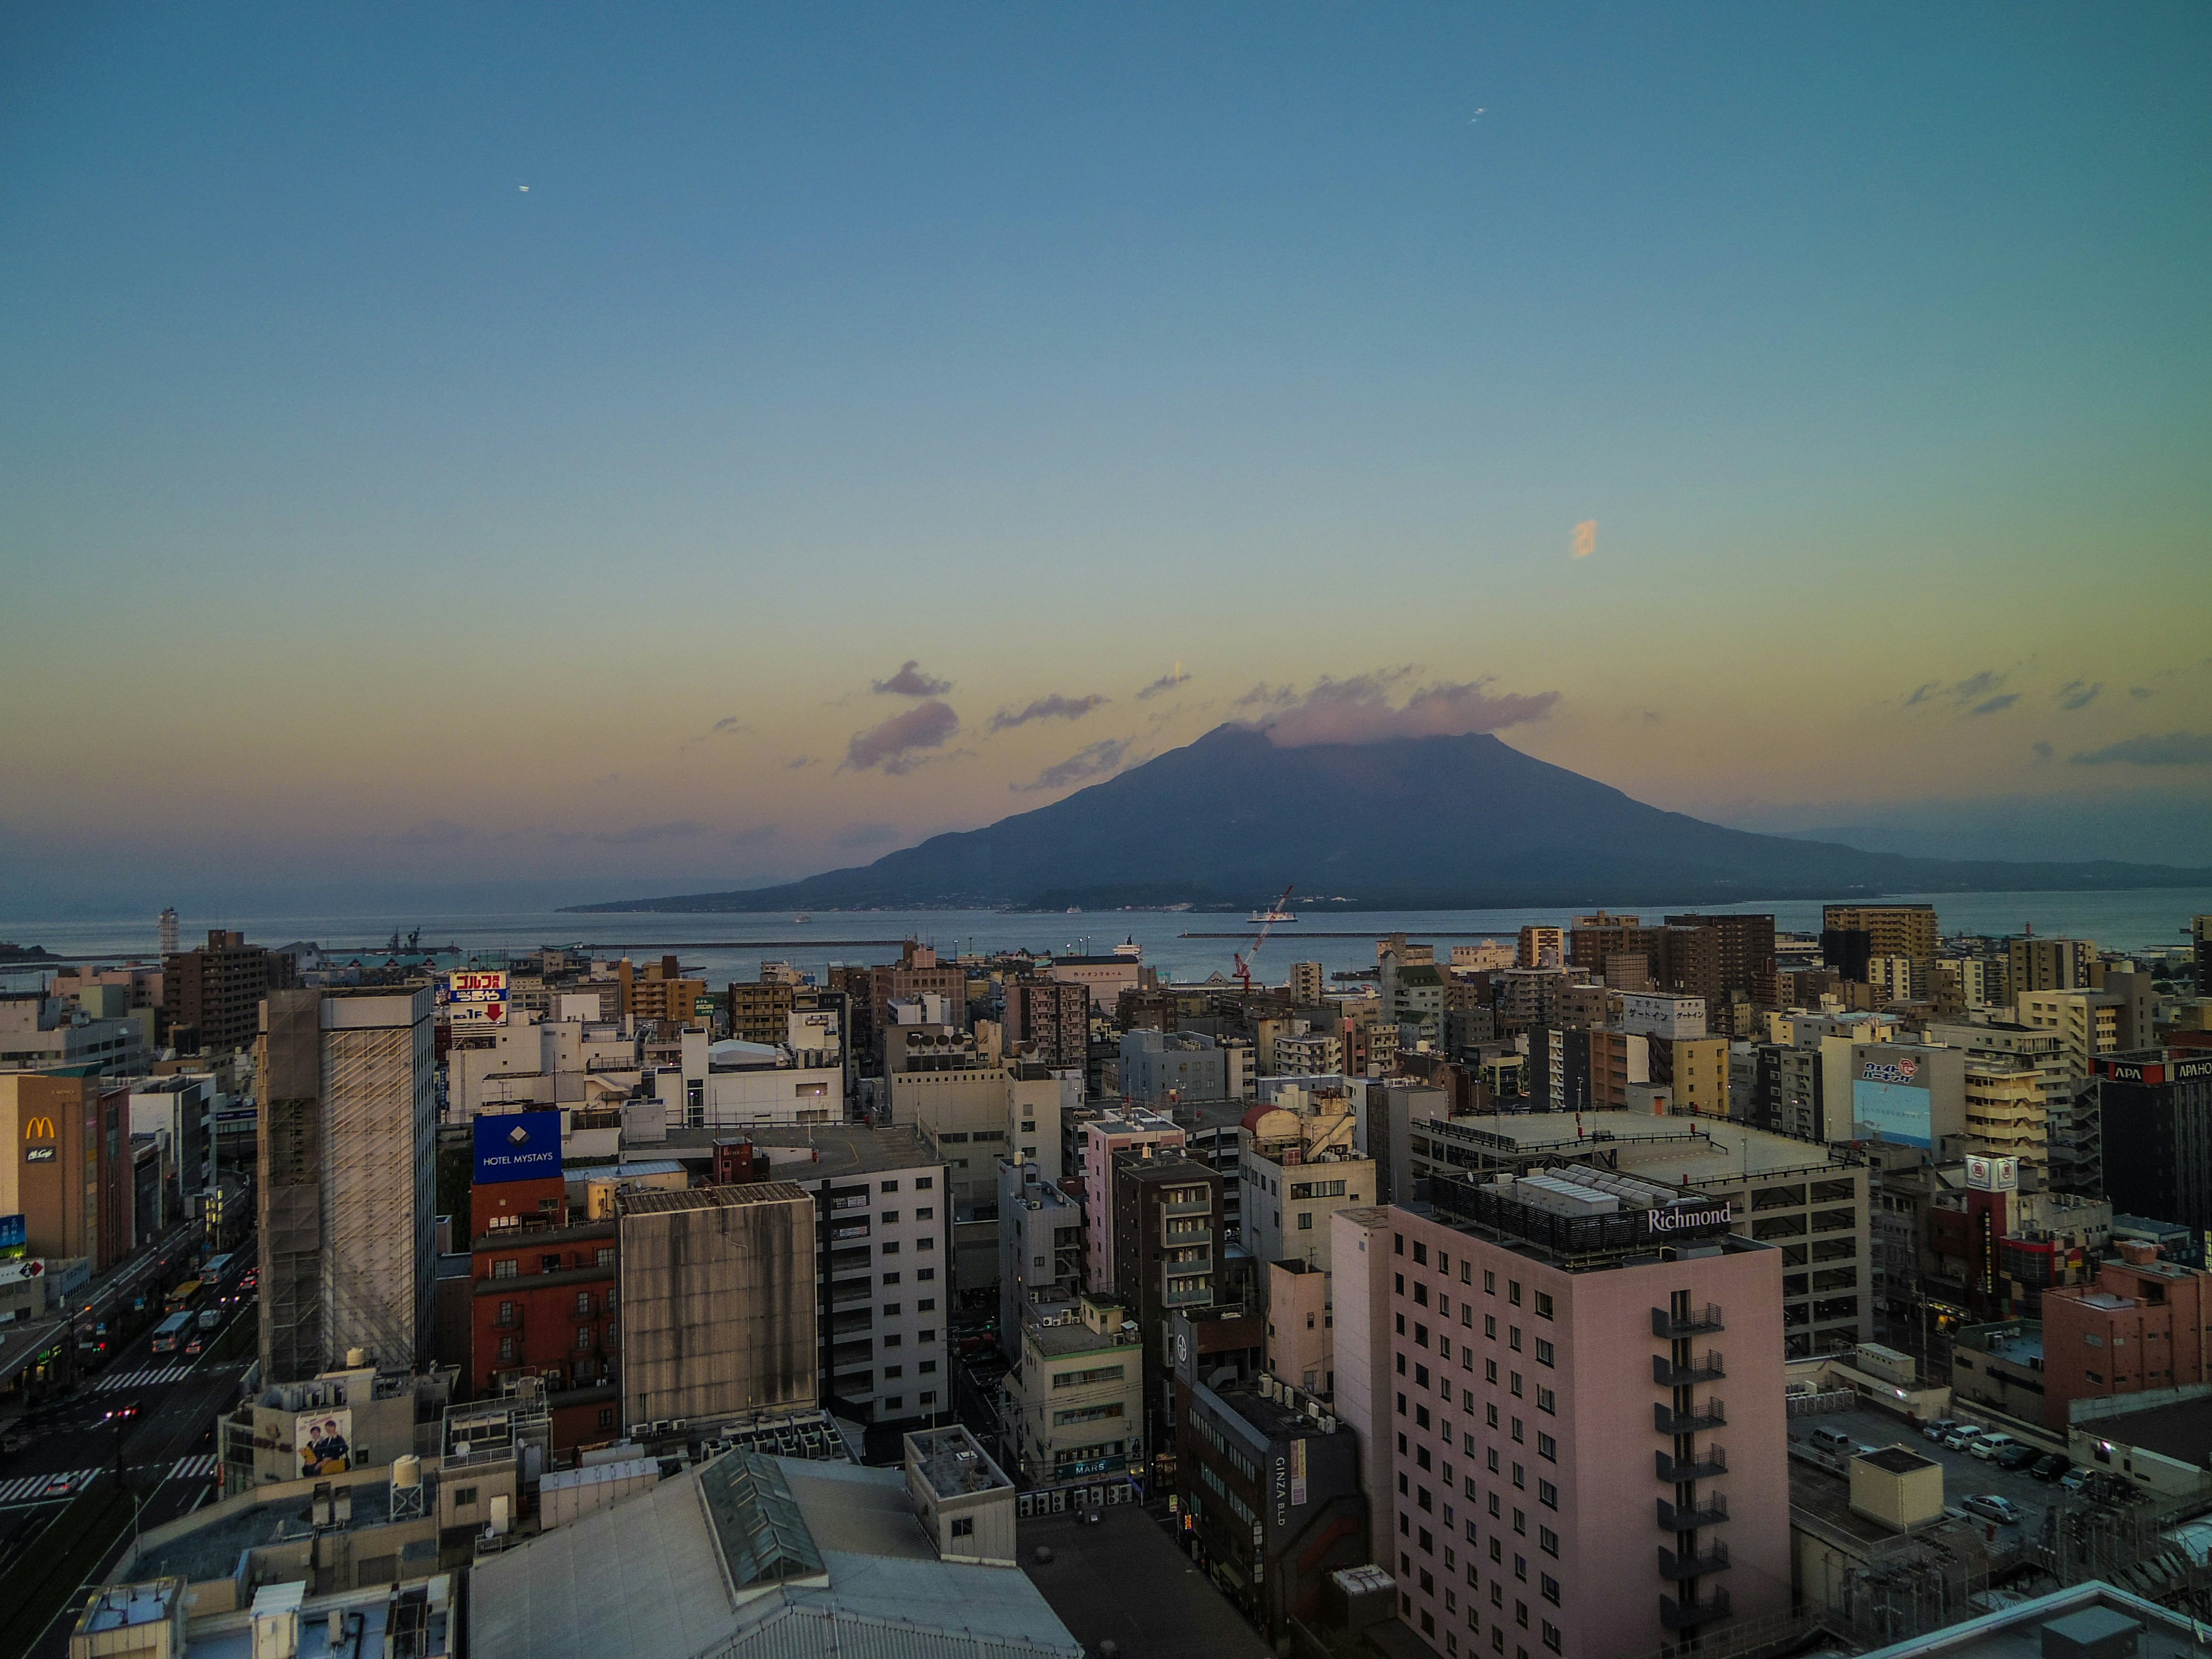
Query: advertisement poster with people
x=324 y=1443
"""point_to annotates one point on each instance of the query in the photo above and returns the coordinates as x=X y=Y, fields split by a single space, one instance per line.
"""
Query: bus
x=214 y=1269
x=186 y=1294
x=169 y=1335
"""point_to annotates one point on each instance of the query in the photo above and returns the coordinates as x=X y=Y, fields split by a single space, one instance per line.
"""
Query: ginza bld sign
x=1688 y=1219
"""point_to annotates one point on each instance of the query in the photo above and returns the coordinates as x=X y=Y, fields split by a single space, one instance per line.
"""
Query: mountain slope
x=1428 y=823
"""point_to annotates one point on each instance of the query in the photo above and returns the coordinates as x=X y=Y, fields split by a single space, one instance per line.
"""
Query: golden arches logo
x=39 y=1128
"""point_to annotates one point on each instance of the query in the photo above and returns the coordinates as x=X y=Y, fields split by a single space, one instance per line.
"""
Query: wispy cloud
x=911 y=682
x=899 y=743
x=1359 y=710
x=1992 y=705
x=798 y=761
x=1980 y=693
x=1585 y=538
x=1167 y=682
x=2139 y=692
x=2042 y=750
x=2169 y=749
x=2078 y=694
x=638 y=835
x=1091 y=761
x=1053 y=708
x=731 y=726
x=433 y=832
x=1264 y=696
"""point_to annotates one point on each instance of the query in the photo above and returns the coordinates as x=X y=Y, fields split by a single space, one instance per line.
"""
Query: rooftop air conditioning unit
x=677 y=1424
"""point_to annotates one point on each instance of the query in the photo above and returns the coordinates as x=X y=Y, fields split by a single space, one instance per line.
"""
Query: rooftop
x=1179 y=1615
x=2181 y=1430
x=124 y=1605
x=1704 y=1151
x=1898 y=1460
x=714 y=1198
x=2088 y=1614
x=818 y=1152
x=953 y=1464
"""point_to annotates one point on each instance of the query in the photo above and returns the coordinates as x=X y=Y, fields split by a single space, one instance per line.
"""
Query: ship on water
x=1259 y=918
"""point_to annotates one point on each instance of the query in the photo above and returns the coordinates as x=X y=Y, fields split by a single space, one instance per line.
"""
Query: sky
x=593 y=451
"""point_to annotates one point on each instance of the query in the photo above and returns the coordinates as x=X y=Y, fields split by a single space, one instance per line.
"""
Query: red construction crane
x=1245 y=959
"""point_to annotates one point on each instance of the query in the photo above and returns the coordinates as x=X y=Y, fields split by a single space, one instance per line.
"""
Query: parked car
x=1989 y=1445
x=1834 y=1442
x=2075 y=1479
x=2049 y=1467
x=1938 y=1429
x=1990 y=1507
x=1962 y=1437
x=2017 y=1456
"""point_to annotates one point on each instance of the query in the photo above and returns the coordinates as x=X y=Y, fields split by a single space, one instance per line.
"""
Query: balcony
x=1710 y=1513
x=1186 y=1293
x=852 y=1293
x=1698 y=1322
x=1202 y=1204
x=1677 y=1567
x=1175 y=1240
x=1667 y=1374
x=1702 y=1466
x=1687 y=1615
x=1668 y=1420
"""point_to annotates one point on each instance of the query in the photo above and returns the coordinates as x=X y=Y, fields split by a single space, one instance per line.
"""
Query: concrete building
x=1301 y=1311
x=1105 y=1137
x=718 y=1306
x=2144 y=1325
x=179 y=1113
x=1544 y=1387
x=883 y=1273
x=1040 y=1251
x=961 y=1113
x=1299 y=1166
x=1039 y=1102
x=1103 y=977
x=1308 y=984
x=1270 y=1502
x=346 y=1177
x=2005 y=1114
x=1053 y=1016
x=2049 y=965
x=211 y=994
x=662 y=994
x=1168 y=1251
x=1074 y=1402
x=1811 y=1202
x=1160 y=1067
x=1389 y=1127
x=731 y=1085
x=1412 y=996
x=285 y=1432
x=67 y=1171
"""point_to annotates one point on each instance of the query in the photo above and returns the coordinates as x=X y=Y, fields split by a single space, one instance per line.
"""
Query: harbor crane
x=1244 y=959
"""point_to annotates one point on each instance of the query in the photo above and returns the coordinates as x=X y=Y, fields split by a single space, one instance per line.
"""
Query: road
x=61 y=1484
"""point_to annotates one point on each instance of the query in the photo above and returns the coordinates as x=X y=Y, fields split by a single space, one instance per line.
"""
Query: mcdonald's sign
x=40 y=1128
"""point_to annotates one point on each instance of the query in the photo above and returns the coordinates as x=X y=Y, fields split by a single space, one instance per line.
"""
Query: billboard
x=518 y=1146
x=324 y=1440
x=476 y=996
x=14 y=1236
x=1899 y=1113
x=1993 y=1174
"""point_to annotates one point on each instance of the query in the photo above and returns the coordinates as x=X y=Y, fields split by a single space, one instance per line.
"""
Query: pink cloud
x=896 y=745
x=1359 y=710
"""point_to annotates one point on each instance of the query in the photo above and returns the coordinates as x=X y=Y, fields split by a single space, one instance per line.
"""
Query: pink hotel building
x=1568 y=1391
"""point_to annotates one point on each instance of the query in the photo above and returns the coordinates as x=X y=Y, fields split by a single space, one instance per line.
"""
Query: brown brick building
x=215 y=990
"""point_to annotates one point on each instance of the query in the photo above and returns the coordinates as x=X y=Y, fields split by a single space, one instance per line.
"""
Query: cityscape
x=989 y=832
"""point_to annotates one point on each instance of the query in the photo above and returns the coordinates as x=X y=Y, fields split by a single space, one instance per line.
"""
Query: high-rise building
x=1054 y=1017
x=1542 y=947
x=1860 y=933
x=1534 y=1369
x=1725 y=959
x=661 y=993
x=166 y=931
x=2049 y=965
x=761 y=1012
x=1167 y=1249
x=2200 y=937
x=718 y=1303
x=1308 y=982
x=2155 y=1106
x=215 y=990
x=346 y=1188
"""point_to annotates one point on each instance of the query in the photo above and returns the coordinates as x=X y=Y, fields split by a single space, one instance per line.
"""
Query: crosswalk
x=35 y=1486
x=153 y=1377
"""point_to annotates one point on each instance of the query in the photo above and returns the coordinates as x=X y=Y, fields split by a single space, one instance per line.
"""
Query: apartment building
x=2049 y=965
x=214 y=991
x=1810 y=1201
x=1105 y=1137
x=2005 y=1114
x=1540 y=1430
x=2145 y=1325
x=1053 y=1016
x=1166 y=1217
x=1074 y=1403
x=1040 y=1251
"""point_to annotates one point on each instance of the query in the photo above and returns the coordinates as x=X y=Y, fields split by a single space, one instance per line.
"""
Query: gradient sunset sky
x=446 y=446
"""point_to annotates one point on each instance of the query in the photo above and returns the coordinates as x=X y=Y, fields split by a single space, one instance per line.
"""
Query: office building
x=345 y=1190
x=211 y=994
x=1270 y=1497
x=1074 y=1402
x=1854 y=938
x=1308 y=983
x=1166 y=1218
x=1547 y=1386
x=1727 y=960
x=1104 y=978
x=1392 y=1115
x=67 y=1171
x=2049 y=965
x=1163 y=1067
x=718 y=1303
x=2155 y=1106
x=1298 y=1165
x=1053 y=1016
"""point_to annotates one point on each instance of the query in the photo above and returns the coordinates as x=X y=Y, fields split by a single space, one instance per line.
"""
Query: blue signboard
x=518 y=1146
x=1898 y=1112
x=14 y=1237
